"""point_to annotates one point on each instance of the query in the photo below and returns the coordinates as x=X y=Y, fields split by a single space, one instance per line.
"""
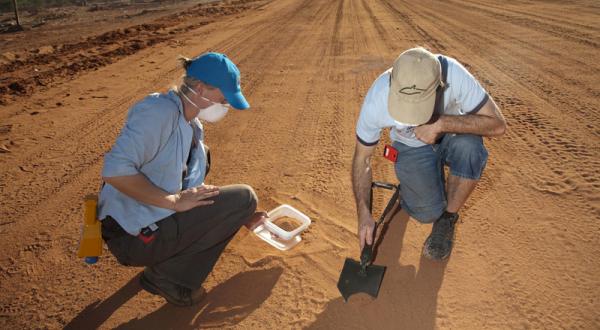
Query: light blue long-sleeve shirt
x=155 y=142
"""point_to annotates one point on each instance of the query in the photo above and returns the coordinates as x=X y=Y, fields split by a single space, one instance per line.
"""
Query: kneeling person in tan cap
x=438 y=113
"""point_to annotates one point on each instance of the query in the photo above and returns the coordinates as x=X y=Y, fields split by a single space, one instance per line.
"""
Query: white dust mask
x=212 y=113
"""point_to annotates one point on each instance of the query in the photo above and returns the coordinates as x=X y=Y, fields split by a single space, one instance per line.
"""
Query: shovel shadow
x=226 y=305
x=407 y=298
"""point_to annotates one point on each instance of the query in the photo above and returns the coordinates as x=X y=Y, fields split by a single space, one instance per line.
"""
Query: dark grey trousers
x=187 y=244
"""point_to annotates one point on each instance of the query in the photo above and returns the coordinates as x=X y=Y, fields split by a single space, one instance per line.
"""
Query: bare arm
x=361 y=185
x=141 y=189
x=488 y=121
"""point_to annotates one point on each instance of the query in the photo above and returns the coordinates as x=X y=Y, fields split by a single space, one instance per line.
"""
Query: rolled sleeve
x=470 y=94
x=147 y=127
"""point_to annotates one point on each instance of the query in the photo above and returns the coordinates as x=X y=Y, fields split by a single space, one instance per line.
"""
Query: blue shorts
x=421 y=172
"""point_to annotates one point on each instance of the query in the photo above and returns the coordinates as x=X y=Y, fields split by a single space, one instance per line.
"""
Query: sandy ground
x=528 y=242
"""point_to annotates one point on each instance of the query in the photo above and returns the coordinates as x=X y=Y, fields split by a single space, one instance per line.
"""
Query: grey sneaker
x=439 y=243
x=178 y=295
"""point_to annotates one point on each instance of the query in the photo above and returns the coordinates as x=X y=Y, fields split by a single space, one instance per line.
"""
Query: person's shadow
x=407 y=298
x=227 y=304
x=97 y=312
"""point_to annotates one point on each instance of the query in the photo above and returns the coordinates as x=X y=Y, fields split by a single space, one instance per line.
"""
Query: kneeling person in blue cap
x=155 y=209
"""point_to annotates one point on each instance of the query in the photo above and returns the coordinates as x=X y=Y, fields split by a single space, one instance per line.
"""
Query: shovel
x=363 y=276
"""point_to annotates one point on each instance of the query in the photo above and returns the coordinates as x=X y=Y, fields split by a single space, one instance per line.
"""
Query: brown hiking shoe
x=175 y=294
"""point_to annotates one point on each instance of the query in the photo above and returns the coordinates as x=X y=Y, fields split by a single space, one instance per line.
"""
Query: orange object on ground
x=90 y=246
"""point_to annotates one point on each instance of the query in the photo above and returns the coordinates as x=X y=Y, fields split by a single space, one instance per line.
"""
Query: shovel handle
x=366 y=256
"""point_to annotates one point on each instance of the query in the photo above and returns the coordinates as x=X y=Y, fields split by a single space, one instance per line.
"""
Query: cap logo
x=412 y=90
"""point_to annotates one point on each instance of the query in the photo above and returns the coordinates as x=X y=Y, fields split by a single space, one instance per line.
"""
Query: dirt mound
x=66 y=61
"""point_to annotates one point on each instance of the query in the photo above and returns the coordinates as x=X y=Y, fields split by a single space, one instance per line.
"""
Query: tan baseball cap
x=415 y=76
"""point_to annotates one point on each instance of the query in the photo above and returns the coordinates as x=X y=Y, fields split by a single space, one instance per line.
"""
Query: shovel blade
x=352 y=280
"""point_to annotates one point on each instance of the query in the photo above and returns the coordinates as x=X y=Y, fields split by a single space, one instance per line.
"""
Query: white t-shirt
x=464 y=95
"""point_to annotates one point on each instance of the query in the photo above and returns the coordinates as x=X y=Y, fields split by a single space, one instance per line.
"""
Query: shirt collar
x=172 y=95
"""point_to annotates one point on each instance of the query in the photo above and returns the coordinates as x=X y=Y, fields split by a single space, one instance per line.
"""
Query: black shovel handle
x=390 y=204
x=366 y=255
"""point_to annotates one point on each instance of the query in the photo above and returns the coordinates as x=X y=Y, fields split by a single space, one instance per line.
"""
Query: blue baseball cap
x=218 y=71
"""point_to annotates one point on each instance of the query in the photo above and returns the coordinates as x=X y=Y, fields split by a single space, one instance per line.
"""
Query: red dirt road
x=527 y=246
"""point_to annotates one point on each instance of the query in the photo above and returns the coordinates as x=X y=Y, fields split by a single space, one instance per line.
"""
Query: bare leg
x=439 y=243
x=458 y=191
x=467 y=155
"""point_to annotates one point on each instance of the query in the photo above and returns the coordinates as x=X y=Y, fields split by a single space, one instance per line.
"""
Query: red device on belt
x=147 y=235
x=390 y=153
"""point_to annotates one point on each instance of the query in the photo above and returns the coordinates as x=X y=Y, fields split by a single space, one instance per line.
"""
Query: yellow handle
x=91 y=203
x=91 y=236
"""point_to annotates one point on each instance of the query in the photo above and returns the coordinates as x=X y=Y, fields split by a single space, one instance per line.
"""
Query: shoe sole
x=425 y=252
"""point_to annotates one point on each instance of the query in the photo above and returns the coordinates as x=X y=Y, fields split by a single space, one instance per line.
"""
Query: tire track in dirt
x=390 y=38
x=268 y=66
x=428 y=38
x=316 y=143
x=558 y=144
x=363 y=35
x=378 y=26
x=552 y=151
x=549 y=135
x=302 y=128
x=329 y=152
x=549 y=92
x=239 y=46
x=77 y=155
x=300 y=131
x=560 y=16
x=527 y=22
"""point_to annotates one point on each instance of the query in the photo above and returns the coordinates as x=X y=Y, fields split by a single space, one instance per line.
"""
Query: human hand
x=255 y=220
x=193 y=197
x=429 y=133
x=366 y=225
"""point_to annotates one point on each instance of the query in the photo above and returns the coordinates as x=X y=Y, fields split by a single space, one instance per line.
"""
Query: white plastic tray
x=277 y=236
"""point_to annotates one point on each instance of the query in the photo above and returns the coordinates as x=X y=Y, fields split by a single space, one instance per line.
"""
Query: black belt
x=111 y=230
